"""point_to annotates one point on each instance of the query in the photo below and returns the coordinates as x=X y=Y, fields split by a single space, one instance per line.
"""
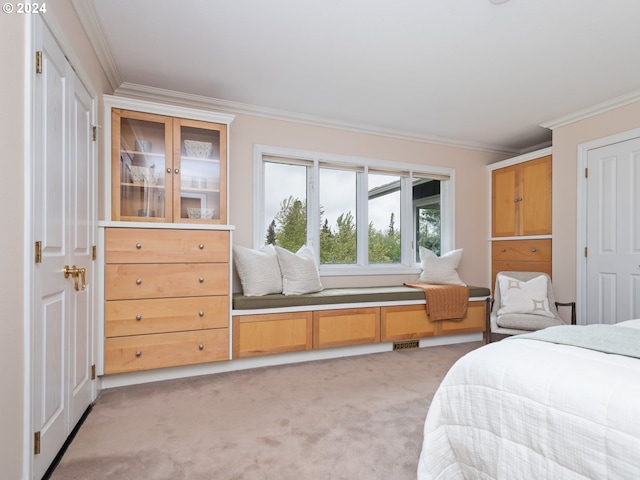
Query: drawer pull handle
x=138 y=317
x=201 y=313
x=138 y=281
x=503 y=250
x=168 y=170
x=201 y=347
x=201 y=279
x=534 y=250
x=138 y=246
x=177 y=170
x=138 y=353
x=201 y=246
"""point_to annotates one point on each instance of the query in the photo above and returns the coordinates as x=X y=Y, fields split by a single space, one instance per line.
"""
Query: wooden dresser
x=166 y=298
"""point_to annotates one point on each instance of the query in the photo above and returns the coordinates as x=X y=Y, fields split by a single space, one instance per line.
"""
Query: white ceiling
x=466 y=72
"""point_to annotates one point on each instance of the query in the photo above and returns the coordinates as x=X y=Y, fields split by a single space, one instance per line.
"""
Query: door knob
x=76 y=273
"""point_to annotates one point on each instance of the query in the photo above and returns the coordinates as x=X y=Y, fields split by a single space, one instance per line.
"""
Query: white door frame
x=581 y=210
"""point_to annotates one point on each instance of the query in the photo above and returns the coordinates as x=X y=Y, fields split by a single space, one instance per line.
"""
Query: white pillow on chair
x=440 y=270
x=518 y=296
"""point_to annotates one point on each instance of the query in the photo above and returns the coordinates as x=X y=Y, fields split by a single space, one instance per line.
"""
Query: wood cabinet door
x=504 y=211
x=535 y=207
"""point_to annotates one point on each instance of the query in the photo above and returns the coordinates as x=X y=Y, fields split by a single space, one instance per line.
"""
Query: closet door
x=63 y=223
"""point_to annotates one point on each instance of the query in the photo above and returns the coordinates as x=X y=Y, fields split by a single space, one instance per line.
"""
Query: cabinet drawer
x=352 y=326
x=143 y=352
x=522 y=250
x=131 y=281
x=404 y=322
x=474 y=321
x=136 y=317
x=271 y=333
x=148 y=245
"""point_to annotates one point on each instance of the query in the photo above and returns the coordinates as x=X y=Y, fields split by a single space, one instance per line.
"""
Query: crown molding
x=199 y=101
x=594 y=110
x=93 y=29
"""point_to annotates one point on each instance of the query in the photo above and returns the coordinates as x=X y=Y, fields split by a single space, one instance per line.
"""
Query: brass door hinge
x=94 y=252
x=93 y=372
x=38 y=252
x=585 y=251
x=36 y=443
x=586 y=173
x=94 y=132
x=39 y=61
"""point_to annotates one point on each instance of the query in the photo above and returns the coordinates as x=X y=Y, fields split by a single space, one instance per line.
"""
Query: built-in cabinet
x=521 y=214
x=167 y=169
x=165 y=241
x=521 y=199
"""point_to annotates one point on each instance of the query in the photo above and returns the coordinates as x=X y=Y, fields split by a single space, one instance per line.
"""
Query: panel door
x=613 y=233
x=535 y=195
x=63 y=223
x=504 y=205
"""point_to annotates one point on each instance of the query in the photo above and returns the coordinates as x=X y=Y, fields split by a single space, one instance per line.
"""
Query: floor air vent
x=406 y=345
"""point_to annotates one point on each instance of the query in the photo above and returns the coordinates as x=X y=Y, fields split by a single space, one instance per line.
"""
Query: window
x=360 y=216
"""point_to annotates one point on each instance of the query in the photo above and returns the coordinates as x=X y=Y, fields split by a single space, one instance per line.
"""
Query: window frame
x=407 y=265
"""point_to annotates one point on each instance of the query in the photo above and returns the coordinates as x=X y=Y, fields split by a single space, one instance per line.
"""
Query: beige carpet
x=350 y=418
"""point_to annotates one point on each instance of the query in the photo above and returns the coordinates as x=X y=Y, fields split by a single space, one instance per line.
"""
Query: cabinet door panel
x=504 y=195
x=536 y=197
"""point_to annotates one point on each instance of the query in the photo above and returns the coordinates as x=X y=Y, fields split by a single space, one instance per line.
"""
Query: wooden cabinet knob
x=201 y=347
x=138 y=353
x=201 y=246
x=138 y=281
x=201 y=279
x=534 y=250
x=504 y=250
x=138 y=317
x=138 y=246
x=201 y=313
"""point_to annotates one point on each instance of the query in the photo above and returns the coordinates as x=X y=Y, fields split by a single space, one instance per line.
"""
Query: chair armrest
x=573 y=310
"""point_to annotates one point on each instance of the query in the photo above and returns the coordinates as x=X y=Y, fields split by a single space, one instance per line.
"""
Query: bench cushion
x=331 y=296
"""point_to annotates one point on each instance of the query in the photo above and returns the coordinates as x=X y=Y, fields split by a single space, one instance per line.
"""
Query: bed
x=530 y=409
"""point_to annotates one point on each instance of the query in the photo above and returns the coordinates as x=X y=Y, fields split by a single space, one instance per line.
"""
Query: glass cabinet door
x=139 y=176
x=200 y=160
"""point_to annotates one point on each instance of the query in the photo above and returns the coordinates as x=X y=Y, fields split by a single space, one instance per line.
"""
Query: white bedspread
x=526 y=409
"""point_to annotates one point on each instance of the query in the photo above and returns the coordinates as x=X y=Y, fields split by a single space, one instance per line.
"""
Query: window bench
x=338 y=317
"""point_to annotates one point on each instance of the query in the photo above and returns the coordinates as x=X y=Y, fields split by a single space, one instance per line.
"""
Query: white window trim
x=408 y=264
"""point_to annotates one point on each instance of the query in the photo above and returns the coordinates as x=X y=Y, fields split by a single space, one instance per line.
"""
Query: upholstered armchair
x=524 y=302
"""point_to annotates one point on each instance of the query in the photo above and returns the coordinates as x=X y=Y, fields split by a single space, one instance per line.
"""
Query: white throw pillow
x=518 y=296
x=299 y=271
x=440 y=270
x=259 y=270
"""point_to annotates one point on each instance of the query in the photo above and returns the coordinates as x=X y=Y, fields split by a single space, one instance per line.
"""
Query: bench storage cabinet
x=343 y=317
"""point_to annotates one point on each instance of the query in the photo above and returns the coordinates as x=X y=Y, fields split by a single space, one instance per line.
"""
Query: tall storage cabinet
x=165 y=243
x=521 y=214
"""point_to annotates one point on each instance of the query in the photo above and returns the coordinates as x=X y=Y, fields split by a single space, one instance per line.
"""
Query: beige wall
x=15 y=377
x=12 y=333
x=566 y=140
x=471 y=202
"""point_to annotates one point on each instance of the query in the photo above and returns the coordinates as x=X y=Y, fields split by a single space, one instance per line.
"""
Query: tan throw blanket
x=444 y=302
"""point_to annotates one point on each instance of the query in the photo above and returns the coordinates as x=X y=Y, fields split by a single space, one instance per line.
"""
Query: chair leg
x=573 y=310
x=487 y=312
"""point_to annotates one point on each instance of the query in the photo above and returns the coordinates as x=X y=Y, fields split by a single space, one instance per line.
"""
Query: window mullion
x=362 y=219
x=313 y=209
x=406 y=221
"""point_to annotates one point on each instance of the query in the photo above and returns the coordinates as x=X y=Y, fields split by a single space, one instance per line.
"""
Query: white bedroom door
x=613 y=233
x=62 y=338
